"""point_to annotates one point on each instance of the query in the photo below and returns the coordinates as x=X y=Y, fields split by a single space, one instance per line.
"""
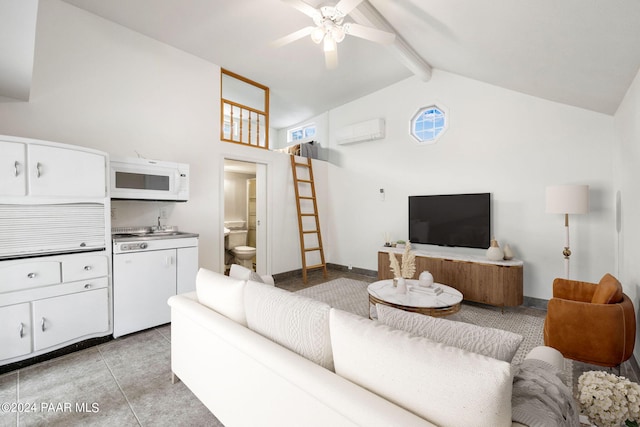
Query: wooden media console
x=497 y=283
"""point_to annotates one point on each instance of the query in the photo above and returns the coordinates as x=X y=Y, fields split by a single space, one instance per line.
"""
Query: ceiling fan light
x=317 y=35
x=338 y=34
x=329 y=44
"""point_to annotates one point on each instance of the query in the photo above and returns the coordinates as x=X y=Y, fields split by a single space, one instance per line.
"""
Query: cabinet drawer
x=84 y=267
x=26 y=275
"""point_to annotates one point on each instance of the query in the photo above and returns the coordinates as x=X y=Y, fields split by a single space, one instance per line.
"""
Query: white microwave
x=144 y=179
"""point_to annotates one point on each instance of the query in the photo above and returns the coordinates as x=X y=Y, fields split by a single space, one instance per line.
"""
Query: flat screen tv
x=459 y=220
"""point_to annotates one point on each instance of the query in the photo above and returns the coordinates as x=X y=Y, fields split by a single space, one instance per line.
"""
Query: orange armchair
x=591 y=323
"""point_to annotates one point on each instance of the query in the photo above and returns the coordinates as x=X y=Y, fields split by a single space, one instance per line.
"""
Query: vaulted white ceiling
x=583 y=53
x=17 y=42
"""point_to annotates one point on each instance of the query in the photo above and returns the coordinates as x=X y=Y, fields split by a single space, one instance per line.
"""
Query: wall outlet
x=163 y=213
x=350 y=267
x=114 y=215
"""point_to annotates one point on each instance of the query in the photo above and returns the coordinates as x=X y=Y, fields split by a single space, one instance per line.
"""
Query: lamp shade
x=568 y=199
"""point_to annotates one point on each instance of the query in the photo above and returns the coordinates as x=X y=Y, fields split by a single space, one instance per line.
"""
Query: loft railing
x=244 y=111
x=244 y=125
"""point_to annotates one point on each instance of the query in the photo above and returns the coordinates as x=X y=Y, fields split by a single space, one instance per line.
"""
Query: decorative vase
x=402 y=286
x=494 y=253
x=508 y=253
x=425 y=279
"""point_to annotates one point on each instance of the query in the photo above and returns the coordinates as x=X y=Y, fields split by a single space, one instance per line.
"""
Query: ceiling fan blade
x=346 y=6
x=303 y=7
x=296 y=35
x=369 y=33
x=331 y=59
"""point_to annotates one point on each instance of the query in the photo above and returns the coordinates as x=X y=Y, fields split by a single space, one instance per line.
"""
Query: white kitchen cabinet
x=59 y=172
x=64 y=318
x=15 y=330
x=187 y=269
x=53 y=301
x=145 y=281
x=13 y=180
x=41 y=170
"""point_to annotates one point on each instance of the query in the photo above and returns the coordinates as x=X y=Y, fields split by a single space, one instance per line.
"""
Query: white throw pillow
x=243 y=273
x=447 y=386
x=491 y=342
x=298 y=323
x=222 y=294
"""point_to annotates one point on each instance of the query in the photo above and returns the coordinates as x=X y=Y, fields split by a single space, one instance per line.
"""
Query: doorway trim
x=263 y=240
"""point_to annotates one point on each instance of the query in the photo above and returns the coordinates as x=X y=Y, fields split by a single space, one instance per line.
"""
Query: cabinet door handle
x=16 y=172
x=21 y=330
x=87 y=286
x=87 y=268
x=31 y=275
x=38 y=172
x=42 y=325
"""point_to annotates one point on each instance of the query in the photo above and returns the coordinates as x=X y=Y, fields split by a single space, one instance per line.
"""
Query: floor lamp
x=567 y=199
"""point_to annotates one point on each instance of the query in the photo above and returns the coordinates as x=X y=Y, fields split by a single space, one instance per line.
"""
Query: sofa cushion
x=608 y=291
x=443 y=384
x=491 y=342
x=222 y=294
x=298 y=323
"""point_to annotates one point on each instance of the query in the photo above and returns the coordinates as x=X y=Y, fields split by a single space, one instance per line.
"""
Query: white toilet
x=236 y=243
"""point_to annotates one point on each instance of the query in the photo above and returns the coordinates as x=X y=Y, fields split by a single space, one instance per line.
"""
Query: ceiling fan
x=330 y=28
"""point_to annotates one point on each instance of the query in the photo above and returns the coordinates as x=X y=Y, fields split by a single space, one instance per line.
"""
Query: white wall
x=99 y=85
x=626 y=178
x=503 y=142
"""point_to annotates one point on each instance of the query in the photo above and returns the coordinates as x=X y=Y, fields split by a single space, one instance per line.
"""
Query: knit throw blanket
x=540 y=398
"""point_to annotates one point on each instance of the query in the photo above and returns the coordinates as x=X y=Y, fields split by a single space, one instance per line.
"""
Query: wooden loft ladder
x=308 y=219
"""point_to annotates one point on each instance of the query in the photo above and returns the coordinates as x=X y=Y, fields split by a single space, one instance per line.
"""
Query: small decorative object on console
x=508 y=252
x=494 y=253
x=609 y=400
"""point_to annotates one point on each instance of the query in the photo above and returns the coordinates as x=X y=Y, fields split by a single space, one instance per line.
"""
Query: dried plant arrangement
x=408 y=268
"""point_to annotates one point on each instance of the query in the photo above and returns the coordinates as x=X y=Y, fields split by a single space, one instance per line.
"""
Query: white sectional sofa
x=258 y=355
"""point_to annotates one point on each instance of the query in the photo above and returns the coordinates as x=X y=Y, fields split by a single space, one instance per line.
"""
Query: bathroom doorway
x=245 y=214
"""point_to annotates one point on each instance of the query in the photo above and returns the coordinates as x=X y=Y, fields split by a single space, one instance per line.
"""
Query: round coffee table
x=416 y=299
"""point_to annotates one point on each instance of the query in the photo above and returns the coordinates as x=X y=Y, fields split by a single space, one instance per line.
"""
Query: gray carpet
x=351 y=295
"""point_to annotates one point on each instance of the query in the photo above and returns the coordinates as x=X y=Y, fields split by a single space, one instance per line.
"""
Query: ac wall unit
x=363 y=131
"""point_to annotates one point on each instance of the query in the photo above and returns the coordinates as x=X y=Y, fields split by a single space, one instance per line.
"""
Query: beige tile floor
x=124 y=382
x=127 y=381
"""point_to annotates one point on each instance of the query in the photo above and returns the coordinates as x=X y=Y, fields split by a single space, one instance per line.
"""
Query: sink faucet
x=159 y=226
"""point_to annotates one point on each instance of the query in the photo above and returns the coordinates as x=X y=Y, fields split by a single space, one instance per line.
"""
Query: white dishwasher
x=148 y=268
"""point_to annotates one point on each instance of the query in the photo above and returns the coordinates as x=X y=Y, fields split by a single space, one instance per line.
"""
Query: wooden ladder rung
x=303 y=249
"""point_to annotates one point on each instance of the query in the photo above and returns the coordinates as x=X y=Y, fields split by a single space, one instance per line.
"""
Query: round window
x=428 y=124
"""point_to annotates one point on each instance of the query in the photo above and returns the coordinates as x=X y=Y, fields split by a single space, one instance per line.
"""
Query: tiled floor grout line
x=163 y=335
x=18 y=396
x=119 y=387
